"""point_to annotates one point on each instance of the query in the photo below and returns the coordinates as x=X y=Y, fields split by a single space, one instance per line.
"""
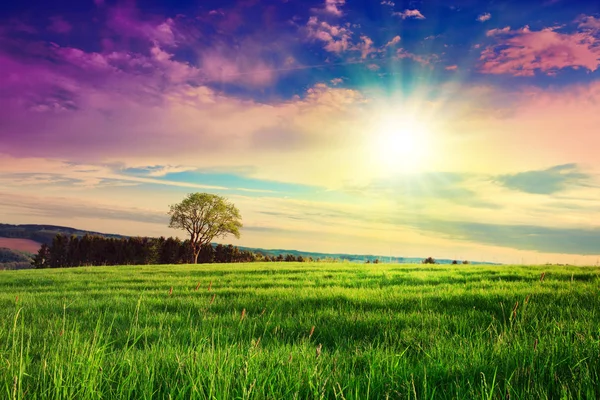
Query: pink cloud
x=416 y=14
x=395 y=40
x=219 y=65
x=59 y=25
x=522 y=52
x=423 y=60
x=452 y=68
x=333 y=7
x=498 y=31
x=65 y=102
x=484 y=17
x=588 y=22
x=366 y=47
x=336 y=38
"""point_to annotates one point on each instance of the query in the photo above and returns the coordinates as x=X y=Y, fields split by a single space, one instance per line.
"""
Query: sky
x=454 y=129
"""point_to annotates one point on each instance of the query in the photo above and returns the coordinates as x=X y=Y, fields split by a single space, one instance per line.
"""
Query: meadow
x=300 y=331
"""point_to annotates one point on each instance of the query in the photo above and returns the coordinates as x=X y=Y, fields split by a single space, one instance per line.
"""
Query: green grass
x=380 y=331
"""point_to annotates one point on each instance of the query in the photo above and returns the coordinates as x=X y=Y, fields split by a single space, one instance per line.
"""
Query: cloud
x=150 y=108
x=333 y=7
x=373 y=67
x=388 y=3
x=497 y=31
x=365 y=47
x=65 y=209
x=395 y=40
x=523 y=52
x=421 y=59
x=420 y=187
x=245 y=67
x=125 y=20
x=484 y=17
x=416 y=14
x=451 y=68
x=163 y=170
x=548 y=181
x=588 y=22
x=336 y=38
x=523 y=237
x=59 y=25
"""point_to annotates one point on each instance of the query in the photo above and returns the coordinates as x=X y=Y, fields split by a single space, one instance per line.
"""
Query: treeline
x=74 y=251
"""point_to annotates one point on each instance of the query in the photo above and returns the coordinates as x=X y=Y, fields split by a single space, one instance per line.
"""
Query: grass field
x=300 y=330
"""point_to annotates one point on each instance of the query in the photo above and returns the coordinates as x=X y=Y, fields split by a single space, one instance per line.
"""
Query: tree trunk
x=196 y=254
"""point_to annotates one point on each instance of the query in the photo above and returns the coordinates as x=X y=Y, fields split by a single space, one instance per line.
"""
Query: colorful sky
x=453 y=129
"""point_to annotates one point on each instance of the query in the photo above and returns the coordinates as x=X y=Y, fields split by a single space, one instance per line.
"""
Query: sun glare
x=400 y=145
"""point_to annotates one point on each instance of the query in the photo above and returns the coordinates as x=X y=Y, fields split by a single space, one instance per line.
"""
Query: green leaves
x=205 y=217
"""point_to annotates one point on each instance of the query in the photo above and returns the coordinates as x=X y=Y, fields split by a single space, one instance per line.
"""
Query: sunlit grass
x=384 y=331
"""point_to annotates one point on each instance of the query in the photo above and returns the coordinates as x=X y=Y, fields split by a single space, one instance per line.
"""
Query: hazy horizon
x=457 y=130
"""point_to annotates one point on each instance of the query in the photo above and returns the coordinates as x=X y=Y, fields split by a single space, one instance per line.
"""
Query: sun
x=400 y=144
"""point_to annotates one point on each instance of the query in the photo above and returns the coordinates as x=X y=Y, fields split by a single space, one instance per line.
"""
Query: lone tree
x=205 y=217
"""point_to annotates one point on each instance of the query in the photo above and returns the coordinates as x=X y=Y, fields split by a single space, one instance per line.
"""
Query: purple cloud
x=59 y=25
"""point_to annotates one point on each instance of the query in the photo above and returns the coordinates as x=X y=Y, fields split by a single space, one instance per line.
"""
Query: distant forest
x=70 y=247
x=75 y=251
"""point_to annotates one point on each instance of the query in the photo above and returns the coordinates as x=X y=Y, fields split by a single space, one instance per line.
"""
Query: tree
x=429 y=260
x=59 y=256
x=205 y=217
x=207 y=254
x=42 y=258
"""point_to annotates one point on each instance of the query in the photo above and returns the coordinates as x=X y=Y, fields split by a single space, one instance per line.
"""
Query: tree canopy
x=205 y=217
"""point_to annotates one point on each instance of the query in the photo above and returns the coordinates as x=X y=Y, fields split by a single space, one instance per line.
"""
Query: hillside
x=25 y=245
x=45 y=234
x=14 y=259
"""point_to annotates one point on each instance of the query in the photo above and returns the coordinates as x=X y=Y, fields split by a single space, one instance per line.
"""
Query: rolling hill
x=29 y=237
